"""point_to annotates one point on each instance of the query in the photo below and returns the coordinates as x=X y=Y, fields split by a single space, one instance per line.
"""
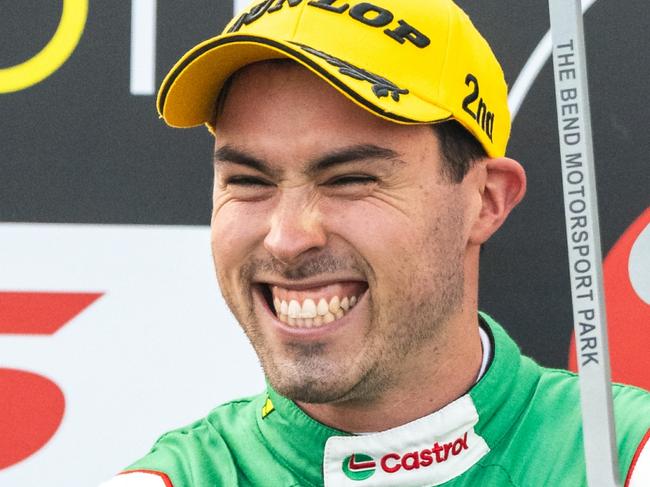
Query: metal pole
x=583 y=241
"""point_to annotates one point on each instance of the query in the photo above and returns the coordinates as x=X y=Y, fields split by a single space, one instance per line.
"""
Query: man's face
x=338 y=245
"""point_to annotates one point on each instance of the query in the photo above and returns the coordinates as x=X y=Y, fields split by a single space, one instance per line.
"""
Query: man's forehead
x=284 y=86
x=278 y=117
x=284 y=66
x=280 y=103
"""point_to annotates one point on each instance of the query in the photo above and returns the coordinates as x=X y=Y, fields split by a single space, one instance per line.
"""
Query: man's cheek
x=232 y=241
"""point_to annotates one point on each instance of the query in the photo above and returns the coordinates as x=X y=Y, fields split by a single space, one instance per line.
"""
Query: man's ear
x=504 y=187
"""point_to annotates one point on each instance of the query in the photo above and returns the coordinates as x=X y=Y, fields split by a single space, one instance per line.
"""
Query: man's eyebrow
x=229 y=155
x=351 y=154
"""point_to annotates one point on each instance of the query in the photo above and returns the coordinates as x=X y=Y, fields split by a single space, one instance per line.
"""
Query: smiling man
x=359 y=167
x=356 y=266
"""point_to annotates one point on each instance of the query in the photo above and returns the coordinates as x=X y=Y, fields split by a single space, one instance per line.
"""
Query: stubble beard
x=307 y=373
x=407 y=333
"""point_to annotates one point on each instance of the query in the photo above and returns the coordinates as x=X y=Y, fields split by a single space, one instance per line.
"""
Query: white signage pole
x=583 y=241
x=143 y=47
x=238 y=5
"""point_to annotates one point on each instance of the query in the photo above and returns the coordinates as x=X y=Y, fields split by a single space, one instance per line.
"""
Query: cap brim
x=188 y=94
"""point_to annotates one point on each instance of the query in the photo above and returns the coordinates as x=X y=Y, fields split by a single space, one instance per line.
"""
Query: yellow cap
x=409 y=61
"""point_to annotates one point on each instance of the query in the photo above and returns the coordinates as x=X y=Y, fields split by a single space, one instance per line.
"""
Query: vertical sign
x=583 y=241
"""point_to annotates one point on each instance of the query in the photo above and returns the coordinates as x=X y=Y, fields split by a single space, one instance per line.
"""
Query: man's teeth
x=310 y=314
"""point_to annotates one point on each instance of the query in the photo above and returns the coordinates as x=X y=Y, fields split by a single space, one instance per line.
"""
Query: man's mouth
x=313 y=307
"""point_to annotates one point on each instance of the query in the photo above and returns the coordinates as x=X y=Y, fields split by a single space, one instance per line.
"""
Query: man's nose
x=296 y=228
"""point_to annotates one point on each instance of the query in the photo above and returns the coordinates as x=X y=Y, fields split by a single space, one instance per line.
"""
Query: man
x=359 y=167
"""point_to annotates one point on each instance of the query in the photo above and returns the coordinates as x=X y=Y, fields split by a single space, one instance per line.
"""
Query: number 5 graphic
x=32 y=406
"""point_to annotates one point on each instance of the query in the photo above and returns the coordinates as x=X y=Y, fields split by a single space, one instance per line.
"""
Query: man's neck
x=430 y=380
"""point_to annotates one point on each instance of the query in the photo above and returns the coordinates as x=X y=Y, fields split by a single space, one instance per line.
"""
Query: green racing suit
x=520 y=425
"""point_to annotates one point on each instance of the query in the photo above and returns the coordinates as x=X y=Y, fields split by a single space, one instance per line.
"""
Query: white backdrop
x=125 y=363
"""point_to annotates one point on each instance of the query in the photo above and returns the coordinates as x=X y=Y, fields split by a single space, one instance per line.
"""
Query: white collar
x=428 y=451
x=487 y=352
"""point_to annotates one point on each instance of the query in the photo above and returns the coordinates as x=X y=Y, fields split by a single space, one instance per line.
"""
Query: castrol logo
x=438 y=453
x=360 y=466
x=429 y=451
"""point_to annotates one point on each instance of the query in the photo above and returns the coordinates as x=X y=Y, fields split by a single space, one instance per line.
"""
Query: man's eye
x=249 y=181
x=351 y=180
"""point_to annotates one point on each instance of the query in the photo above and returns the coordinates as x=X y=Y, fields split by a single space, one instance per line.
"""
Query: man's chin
x=311 y=392
x=321 y=386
